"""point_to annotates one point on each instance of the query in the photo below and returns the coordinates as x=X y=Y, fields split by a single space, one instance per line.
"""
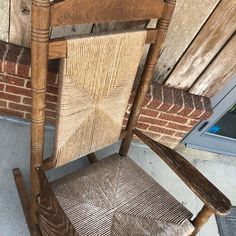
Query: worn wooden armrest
x=198 y=183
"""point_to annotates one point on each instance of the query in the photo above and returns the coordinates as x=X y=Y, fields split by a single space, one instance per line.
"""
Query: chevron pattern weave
x=95 y=84
x=116 y=197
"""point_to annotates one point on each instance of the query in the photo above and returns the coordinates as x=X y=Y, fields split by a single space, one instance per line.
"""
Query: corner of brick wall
x=167 y=116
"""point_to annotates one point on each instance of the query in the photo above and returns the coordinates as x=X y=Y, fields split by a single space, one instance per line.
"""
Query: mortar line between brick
x=18 y=59
x=4 y=57
x=194 y=107
x=182 y=95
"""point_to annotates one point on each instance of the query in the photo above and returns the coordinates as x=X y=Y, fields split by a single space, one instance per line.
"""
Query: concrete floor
x=14 y=152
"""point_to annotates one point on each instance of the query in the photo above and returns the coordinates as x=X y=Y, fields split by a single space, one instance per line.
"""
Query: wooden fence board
x=4 y=25
x=214 y=34
x=20 y=22
x=218 y=72
x=188 y=18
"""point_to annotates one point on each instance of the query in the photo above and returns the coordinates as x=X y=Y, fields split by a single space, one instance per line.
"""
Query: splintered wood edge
x=58 y=47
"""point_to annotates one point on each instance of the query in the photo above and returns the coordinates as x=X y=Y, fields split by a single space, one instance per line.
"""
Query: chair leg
x=201 y=218
x=92 y=158
x=24 y=198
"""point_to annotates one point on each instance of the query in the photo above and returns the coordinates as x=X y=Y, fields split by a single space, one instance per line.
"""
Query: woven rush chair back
x=95 y=84
x=96 y=76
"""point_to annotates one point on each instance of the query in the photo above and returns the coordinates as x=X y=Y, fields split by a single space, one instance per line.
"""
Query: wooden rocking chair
x=112 y=196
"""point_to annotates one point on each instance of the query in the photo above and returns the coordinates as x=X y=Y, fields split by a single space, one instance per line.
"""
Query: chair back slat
x=69 y=12
x=95 y=84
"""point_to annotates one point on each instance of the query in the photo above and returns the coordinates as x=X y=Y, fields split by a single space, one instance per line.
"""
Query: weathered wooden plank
x=20 y=25
x=218 y=72
x=198 y=183
x=20 y=14
x=90 y=11
x=4 y=24
x=187 y=20
x=214 y=34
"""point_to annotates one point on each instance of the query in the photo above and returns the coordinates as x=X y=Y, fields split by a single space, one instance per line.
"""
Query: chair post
x=147 y=75
x=201 y=218
x=39 y=64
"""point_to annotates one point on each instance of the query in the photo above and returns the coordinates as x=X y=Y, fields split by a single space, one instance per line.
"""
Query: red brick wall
x=168 y=114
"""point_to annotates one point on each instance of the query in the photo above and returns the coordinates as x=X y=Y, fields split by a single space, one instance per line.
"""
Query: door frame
x=221 y=103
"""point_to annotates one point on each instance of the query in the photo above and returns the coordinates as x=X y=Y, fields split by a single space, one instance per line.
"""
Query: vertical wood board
x=218 y=72
x=187 y=20
x=20 y=23
x=215 y=33
x=4 y=16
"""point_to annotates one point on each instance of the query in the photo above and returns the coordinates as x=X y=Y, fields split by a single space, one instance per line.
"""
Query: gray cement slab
x=14 y=152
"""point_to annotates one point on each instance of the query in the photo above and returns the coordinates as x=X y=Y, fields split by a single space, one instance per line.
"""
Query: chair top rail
x=197 y=182
x=58 y=47
x=69 y=12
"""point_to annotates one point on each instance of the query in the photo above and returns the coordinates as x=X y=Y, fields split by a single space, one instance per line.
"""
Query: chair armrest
x=199 y=184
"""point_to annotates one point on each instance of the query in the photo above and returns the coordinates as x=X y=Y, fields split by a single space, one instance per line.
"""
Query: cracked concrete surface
x=14 y=152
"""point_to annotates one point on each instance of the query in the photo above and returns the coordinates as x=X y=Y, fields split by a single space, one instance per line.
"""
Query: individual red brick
x=11 y=59
x=168 y=95
x=157 y=92
x=150 y=112
x=18 y=90
x=3 y=103
x=11 y=97
x=50 y=114
x=19 y=107
x=161 y=130
x=51 y=106
x=51 y=98
x=23 y=70
x=154 y=104
x=7 y=111
x=142 y=126
x=178 y=101
x=172 y=117
x=146 y=100
x=28 y=84
x=207 y=107
x=148 y=120
x=2 y=86
x=178 y=126
x=188 y=104
x=23 y=66
x=12 y=80
x=26 y=100
x=52 y=89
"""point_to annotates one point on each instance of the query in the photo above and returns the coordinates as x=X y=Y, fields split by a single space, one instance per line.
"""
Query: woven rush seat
x=116 y=197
